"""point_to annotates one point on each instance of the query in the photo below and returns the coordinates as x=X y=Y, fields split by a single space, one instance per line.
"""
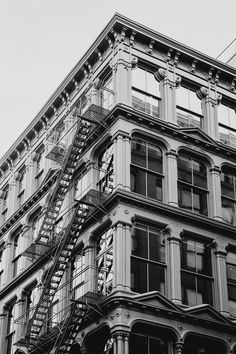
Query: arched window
x=35 y=222
x=228 y=194
x=10 y=310
x=104 y=262
x=105 y=170
x=192 y=185
x=146 y=169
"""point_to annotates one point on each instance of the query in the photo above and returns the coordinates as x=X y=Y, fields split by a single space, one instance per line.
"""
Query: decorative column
x=3 y=326
x=120 y=342
x=216 y=195
x=210 y=100
x=179 y=346
x=174 y=262
x=90 y=273
x=13 y=191
x=221 y=277
x=23 y=243
x=169 y=81
x=122 y=160
x=172 y=177
x=30 y=177
x=122 y=254
x=7 y=264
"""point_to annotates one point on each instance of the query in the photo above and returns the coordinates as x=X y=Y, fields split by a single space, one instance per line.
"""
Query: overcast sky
x=41 y=40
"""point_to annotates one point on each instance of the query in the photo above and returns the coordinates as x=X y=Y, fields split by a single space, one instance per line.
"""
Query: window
x=228 y=194
x=39 y=167
x=196 y=272
x=15 y=252
x=78 y=275
x=227 y=125
x=106 y=93
x=231 y=281
x=189 y=111
x=105 y=166
x=82 y=187
x=1 y=266
x=5 y=196
x=10 y=326
x=145 y=92
x=21 y=186
x=148 y=259
x=30 y=296
x=140 y=343
x=146 y=169
x=35 y=222
x=192 y=185
x=104 y=262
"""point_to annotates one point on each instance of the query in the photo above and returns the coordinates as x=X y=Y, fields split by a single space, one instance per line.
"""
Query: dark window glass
x=196 y=272
x=146 y=169
x=228 y=195
x=231 y=281
x=192 y=185
x=105 y=166
x=147 y=344
x=148 y=259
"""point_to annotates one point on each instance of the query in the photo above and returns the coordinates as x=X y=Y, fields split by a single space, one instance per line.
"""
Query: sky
x=42 y=40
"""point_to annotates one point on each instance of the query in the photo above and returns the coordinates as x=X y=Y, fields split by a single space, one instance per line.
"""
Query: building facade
x=118 y=206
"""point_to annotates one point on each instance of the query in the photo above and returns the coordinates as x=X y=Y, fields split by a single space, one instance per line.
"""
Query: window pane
x=140 y=243
x=194 y=102
x=227 y=184
x=185 y=197
x=231 y=272
x=138 y=276
x=156 y=346
x=182 y=97
x=138 y=153
x=138 y=180
x=152 y=84
x=223 y=114
x=199 y=174
x=156 y=278
x=138 y=100
x=232 y=118
x=200 y=202
x=204 y=291
x=156 y=246
x=138 y=344
x=139 y=79
x=228 y=210
x=188 y=289
x=154 y=159
x=184 y=169
x=154 y=186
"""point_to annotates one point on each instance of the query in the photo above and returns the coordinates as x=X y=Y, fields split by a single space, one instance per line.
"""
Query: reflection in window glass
x=189 y=111
x=192 y=185
x=104 y=262
x=146 y=169
x=105 y=166
x=107 y=93
x=148 y=259
x=227 y=125
x=78 y=275
x=228 y=195
x=196 y=273
x=145 y=92
x=231 y=281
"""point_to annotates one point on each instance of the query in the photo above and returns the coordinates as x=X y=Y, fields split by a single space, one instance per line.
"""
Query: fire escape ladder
x=71 y=327
x=63 y=181
x=55 y=274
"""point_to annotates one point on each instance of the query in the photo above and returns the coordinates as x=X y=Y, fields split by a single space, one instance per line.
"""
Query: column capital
x=172 y=153
x=167 y=77
x=216 y=170
x=220 y=247
x=179 y=346
x=209 y=95
x=173 y=232
x=121 y=134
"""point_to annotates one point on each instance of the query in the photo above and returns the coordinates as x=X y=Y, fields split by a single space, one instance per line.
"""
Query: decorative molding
x=193 y=67
x=123 y=34
x=169 y=54
x=131 y=40
x=109 y=41
x=233 y=84
x=76 y=84
x=210 y=73
x=99 y=54
x=176 y=58
x=150 y=49
x=217 y=76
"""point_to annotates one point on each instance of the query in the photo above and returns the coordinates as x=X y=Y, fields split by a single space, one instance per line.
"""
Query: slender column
x=210 y=100
x=30 y=177
x=169 y=81
x=90 y=273
x=179 y=346
x=120 y=343
x=174 y=264
x=114 y=344
x=122 y=160
x=221 y=279
x=12 y=195
x=216 y=195
x=7 y=264
x=172 y=176
x=3 y=325
x=122 y=253
x=126 y=339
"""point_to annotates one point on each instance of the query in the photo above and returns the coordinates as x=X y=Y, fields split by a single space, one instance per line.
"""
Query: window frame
x=104 y=90
x=21 y=186
x=231 y=282
x=5 y=200
x=160 y=264
x=191 y=185
x=228 y=127
x=105 y=183
x=10 y=326
x=74 y=274
x=15 y=252
x=196 y=275
x=144 y=91
x=232 y=200
x=147 y=172
x=39 y=171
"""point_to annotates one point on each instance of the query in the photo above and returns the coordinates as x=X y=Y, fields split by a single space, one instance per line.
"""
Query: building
x=118 y=206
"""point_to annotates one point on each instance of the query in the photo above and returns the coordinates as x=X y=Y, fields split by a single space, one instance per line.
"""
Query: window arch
x=192 y=184
x=146 y=169
x=228 y=194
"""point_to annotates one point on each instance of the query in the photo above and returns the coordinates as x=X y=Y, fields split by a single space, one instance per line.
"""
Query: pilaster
x=30 y=177
x=210 y=100
x=120 y=342
x=172 y=176
x=90 y=273
x=221 y=277
x=3 y=326
x=12 y=195
x=173 y=232
x=7 y=264
x=169 y=81
x=216 y=196
x=122 y=160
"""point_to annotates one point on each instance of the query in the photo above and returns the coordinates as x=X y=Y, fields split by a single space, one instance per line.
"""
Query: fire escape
x=62 y=246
